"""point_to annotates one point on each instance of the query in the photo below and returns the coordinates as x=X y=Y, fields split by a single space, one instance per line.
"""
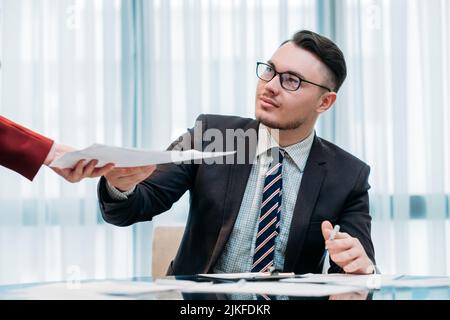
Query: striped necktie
x=269 y=219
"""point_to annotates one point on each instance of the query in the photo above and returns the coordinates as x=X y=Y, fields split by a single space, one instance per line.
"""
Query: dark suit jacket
x=21 y=149
x=334 y=187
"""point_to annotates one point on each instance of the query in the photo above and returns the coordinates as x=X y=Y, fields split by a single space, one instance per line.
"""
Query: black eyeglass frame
x=276 y=73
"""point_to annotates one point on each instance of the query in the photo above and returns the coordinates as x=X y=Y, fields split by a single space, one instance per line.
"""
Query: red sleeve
x=21 y=149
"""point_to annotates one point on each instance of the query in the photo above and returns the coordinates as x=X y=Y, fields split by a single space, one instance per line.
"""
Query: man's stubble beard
x=293 y=125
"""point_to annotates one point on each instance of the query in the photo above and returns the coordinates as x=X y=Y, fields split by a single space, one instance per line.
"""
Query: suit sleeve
x=22 y=150
x=355 y=219
x=155 y=195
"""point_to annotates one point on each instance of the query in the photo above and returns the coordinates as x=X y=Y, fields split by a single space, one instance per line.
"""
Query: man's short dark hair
x=327 y=52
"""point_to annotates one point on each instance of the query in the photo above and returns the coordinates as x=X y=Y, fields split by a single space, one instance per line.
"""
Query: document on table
x=256 y=287
x=372 y=281
x=98 y=290
x=128 y=158
x=272 y=288
x=249 y=276
x=106 y=290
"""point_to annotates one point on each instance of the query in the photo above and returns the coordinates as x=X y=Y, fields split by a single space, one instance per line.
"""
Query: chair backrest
x=166 y=241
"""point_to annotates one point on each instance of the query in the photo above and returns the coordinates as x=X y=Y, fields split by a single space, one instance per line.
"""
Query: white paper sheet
x=111 y=290
x=229 y=276
x=374 y=281
x=98 y=290
x=273 y=288
x=363 y=281
x=246 y=276
x=128 y=158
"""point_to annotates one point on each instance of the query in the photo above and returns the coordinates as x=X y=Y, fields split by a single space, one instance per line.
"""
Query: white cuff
x=51 y=155
x=116 y=194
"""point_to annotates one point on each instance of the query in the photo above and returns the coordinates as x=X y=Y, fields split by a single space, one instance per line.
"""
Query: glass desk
x=9 y=292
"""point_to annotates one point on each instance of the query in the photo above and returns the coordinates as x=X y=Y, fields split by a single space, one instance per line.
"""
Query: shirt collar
x=298 y=152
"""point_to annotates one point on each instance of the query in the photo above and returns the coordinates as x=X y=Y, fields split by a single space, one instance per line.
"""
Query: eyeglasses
x=288 y=81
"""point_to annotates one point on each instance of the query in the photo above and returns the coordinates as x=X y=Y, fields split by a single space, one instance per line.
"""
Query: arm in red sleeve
x=21 y=149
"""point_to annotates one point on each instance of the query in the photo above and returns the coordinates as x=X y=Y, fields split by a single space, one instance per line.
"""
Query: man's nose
x=274 y=85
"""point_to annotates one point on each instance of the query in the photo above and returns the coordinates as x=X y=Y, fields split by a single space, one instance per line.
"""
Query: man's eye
x=292 y=80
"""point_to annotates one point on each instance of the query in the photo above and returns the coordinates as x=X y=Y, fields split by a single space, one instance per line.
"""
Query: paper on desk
x=245 y=276
x=99 y=290
x=272 y=288
x=125 y=157
x=229 y=276
x=373 y=281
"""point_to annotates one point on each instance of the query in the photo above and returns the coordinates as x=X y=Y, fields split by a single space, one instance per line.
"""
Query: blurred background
x=136 y=73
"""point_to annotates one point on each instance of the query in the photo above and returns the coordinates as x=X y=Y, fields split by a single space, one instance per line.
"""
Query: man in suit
x=276 y=209
x=25 y=151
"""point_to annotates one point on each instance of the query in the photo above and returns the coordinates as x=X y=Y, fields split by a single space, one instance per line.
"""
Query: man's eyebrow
x=270 y=62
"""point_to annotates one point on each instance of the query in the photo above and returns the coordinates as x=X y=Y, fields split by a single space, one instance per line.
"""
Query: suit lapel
x=312 y=180
x=237 y=183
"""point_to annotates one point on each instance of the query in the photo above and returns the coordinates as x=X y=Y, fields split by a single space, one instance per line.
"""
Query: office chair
x=166 y=240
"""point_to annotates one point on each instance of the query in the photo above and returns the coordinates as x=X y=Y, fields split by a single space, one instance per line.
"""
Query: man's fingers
x=99 y=172
x=133 y=171
x=342 y=235
x=347 y=256
x=339 y=245
x=354 y=265
x=128 y=182
x=136 y=178
x=327 y=228
x=127 y=178
x=121 y=173
x=361 y=265
x=346 y=251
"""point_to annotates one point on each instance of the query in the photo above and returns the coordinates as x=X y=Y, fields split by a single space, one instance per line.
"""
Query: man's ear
x=326 y=102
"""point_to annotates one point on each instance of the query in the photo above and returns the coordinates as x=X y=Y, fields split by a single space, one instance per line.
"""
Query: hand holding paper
x=125 y=179
x=83 y=169
x=129 y=158
x=132 y=165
